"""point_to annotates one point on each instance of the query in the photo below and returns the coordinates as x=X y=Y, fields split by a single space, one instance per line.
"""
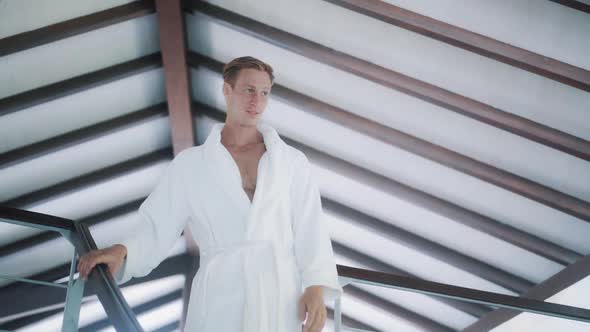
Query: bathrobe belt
x=262 y=268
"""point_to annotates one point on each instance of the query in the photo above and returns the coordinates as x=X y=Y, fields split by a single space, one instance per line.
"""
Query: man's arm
x=313 y=248
x=163 y=216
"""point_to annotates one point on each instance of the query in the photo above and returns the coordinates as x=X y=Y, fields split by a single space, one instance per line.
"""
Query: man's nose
x=254 y=100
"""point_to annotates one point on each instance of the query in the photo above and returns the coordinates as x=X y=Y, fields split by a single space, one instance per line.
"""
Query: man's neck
x=238 y=135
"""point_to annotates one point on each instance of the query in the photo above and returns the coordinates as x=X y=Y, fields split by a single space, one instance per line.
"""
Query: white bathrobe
x=256 y=258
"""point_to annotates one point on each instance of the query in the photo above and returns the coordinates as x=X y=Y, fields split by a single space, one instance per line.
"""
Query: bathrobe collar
x=271 y=178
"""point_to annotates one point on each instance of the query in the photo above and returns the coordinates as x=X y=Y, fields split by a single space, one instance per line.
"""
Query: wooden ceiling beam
x=76 y=26
x=173 y=47
x=78 y=84
x=82 y=135
x=574 y=4
x=515 y=56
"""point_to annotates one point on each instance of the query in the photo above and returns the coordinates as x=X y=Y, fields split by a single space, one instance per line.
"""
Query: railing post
x=74 y=296
x=343 y=281
x=337 y=315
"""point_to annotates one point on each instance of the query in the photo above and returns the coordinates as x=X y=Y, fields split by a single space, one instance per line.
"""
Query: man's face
x=246 y=101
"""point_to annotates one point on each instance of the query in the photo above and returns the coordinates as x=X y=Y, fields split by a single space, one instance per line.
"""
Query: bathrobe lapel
x=271 y=174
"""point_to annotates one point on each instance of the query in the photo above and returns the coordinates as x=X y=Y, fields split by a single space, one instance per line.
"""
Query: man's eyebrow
x=253 y=86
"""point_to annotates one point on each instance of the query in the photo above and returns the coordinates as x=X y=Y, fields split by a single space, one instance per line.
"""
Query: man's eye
x=265 y=93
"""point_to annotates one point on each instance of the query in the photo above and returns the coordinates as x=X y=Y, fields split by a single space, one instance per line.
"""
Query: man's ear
x=226 y=89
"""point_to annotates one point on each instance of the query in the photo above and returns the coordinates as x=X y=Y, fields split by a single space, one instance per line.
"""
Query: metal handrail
x=104 y=285
x=123 y=318
x=349 y=275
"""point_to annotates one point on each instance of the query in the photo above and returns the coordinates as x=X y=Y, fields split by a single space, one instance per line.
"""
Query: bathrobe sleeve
x=312 y=245
x=163 y=215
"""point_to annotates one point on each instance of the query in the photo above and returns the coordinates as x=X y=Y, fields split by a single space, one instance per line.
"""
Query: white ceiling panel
x=90 y=200
x=82 y=53
x=82 y=109
x=551 y=29
x=17 y=17
x=84 y=158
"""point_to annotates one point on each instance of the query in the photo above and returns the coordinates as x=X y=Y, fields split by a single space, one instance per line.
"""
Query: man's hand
x=112 y=256
x=312 y=303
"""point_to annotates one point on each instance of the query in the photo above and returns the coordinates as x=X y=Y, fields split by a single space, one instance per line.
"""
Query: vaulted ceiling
x=450 y=140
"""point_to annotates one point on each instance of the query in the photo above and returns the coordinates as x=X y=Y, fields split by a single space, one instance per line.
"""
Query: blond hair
x=232 y=68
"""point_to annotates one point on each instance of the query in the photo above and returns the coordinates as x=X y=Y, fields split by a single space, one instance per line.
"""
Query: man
x=266 y=261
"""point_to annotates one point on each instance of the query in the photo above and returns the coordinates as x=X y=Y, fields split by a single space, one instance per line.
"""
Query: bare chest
x=247 y=161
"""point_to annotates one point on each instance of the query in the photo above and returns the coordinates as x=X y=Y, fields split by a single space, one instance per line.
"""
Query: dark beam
x=423 y=323
x=471 y=41
x=173 y=45
x=553 y=285
x=76 y=26
x=372 y=263
x=78 y=84
x=173 y=48
x=577 y=5
x=82 y=135
x=405 y=84
x=10 y=213
x=446 y=208
x=430 y=248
